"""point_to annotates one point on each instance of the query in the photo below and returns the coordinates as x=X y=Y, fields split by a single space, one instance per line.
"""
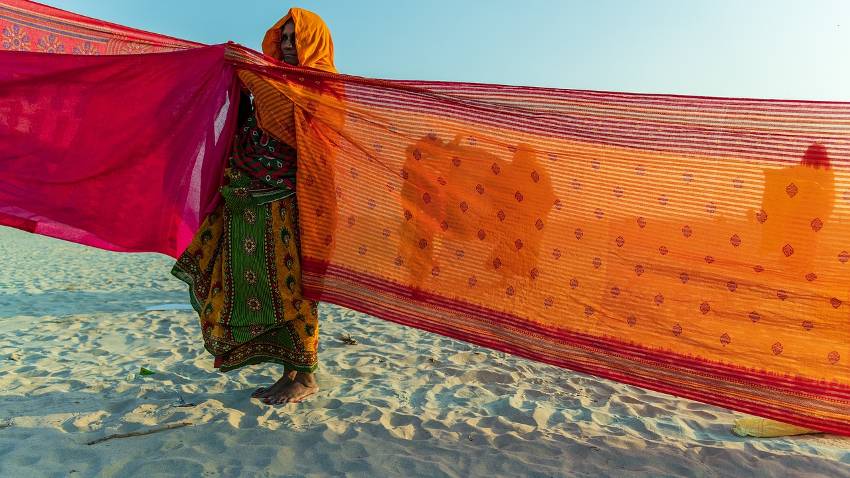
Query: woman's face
x=287 y=43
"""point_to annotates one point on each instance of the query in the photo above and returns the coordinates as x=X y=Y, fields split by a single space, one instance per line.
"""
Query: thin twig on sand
x=183 y=403
x=170 y=426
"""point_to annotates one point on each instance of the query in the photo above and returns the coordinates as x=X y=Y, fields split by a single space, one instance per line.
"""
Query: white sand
x=76 y=326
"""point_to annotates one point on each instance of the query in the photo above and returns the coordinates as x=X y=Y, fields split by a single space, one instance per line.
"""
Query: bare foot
x=263 y=392
x=302 y=386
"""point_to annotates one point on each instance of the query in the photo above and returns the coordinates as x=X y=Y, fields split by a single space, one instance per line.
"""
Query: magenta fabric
x=120 y=152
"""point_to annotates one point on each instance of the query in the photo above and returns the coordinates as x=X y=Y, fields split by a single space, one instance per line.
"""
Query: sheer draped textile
x=107 y=138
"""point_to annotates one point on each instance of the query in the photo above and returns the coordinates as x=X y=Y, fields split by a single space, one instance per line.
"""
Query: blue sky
x=796 y=49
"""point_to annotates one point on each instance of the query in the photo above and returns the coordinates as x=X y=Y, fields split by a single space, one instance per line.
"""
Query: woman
x=243 y=265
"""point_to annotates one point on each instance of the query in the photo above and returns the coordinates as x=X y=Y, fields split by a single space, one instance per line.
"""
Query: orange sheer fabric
x=697 y=246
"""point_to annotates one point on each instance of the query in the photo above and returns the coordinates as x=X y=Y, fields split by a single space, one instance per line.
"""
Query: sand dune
x=78 y=323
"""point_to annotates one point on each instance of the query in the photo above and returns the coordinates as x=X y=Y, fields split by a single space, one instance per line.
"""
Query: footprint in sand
x=86 y=422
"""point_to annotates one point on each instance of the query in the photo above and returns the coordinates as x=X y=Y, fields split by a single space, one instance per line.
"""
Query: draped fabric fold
x=695 y=246
x=106 y=148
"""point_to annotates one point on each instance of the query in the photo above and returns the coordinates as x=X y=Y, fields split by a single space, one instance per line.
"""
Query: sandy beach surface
x=77 y=324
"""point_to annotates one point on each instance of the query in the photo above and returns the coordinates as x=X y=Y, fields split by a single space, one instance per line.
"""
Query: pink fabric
x=118 y=152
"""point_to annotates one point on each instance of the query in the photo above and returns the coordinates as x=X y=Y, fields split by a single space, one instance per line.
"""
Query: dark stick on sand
x=170 y=426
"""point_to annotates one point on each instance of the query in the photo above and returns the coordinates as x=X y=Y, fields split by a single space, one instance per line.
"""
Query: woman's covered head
x=301 y=38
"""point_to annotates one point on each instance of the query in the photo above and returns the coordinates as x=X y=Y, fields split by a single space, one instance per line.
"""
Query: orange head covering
x=312 y=40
